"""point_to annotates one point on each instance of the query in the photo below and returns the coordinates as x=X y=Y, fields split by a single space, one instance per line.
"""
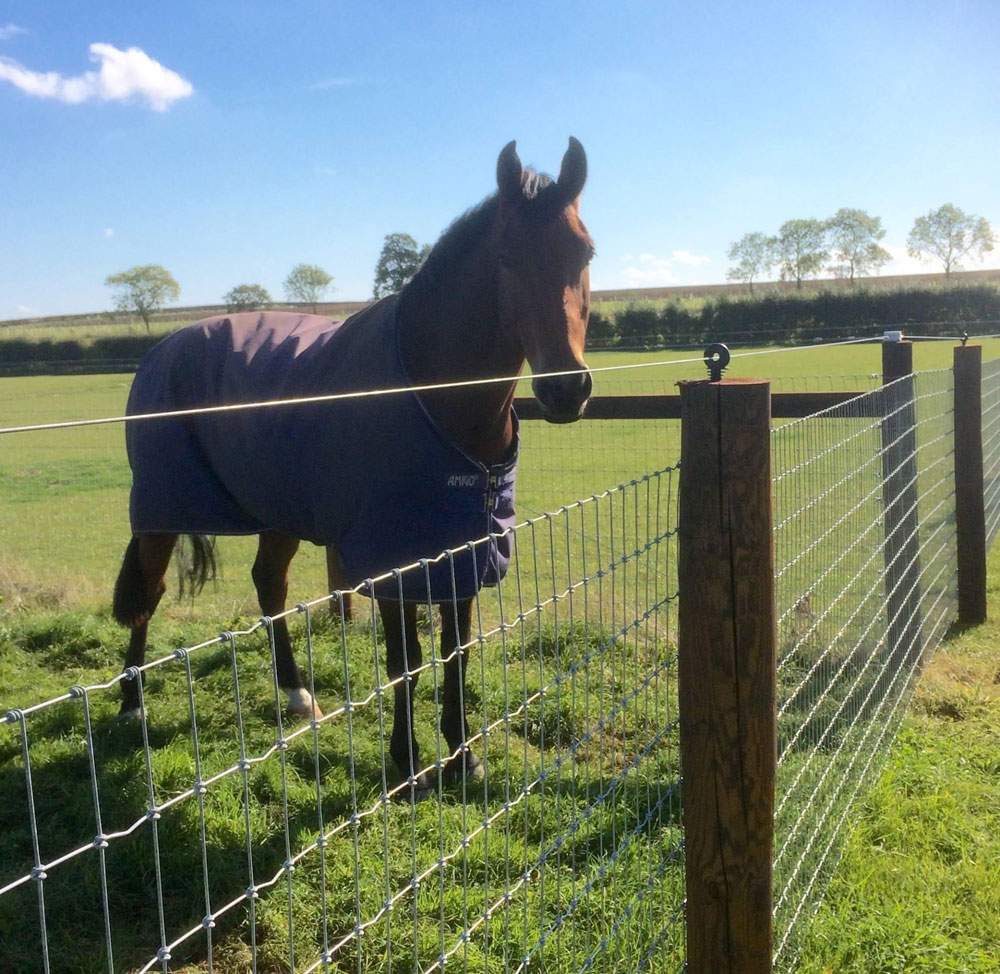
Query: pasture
x=66 y=491
x=63 y=529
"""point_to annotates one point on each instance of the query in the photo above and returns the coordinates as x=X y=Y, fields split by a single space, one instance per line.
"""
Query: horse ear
x=509 y=172
x=573 y=172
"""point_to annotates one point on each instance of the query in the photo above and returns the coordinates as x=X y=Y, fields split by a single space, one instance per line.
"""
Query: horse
x=506 y=283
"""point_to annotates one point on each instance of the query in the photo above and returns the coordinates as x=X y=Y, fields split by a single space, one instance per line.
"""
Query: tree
x=949 y=235
x=854 y=237
x=398 y=262
x=755 y=254
x=800 y=249
x=143 y=289
x=307 y=283
x=246 y=297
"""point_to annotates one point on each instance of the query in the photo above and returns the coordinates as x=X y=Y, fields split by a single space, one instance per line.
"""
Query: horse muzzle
x=563 y=397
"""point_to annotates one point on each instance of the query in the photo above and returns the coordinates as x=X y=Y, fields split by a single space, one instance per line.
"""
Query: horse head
x=544 y=253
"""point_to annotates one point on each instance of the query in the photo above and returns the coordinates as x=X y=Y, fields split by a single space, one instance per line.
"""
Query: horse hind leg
x=270 y=577
x=138 y=591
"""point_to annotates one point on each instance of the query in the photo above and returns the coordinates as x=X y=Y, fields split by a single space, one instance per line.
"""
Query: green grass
x=87 y=333
x=606 y=698
x=918 y=887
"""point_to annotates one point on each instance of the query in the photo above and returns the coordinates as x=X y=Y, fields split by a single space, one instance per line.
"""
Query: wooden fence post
x=726 y=649
x=900 y=494
x=970 y=512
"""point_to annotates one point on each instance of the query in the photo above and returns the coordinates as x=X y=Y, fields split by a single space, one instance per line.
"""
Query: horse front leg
x=403 y=659
x=456 y=626
x=138 y=591
x=270 y=577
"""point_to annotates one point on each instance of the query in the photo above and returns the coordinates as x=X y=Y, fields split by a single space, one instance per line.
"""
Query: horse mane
x=539 y=200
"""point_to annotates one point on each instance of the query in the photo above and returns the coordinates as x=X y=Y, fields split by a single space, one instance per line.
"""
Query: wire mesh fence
x=213 y=831
x=865 y=562
x=991 y=448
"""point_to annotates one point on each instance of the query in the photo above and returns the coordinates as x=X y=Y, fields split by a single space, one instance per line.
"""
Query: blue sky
x=230 y=141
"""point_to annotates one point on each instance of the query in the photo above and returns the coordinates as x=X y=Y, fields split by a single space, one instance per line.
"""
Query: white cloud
x=109 y=232
x=648 y=271
x=903 y=263
x=123 y=75
x=26 y=311
x=7 y=31
x=692 y=260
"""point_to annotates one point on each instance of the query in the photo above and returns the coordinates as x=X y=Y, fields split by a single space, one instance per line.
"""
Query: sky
x=230 y=141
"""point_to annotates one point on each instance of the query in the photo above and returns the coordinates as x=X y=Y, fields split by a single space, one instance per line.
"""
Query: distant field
x=106 y=323
x=65 y=492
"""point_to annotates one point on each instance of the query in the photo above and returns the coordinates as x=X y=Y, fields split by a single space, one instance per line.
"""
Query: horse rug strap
x=374 y=476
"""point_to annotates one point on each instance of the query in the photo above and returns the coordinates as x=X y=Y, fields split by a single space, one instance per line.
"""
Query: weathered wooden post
x=900 y=494
x=970 y=512
x=727 y=638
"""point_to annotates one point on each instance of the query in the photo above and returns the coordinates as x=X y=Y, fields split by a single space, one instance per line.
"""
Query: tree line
x=847 y=245
x=145 y=289
x=793 y=317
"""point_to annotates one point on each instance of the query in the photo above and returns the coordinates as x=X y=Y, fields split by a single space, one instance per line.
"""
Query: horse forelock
x=540 y=200
x=534 y=183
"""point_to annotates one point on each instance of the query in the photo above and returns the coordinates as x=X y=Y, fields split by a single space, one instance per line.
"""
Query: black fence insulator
x=716 y=359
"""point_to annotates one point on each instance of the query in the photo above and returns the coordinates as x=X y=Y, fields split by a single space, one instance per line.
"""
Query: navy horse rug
x=373 y=476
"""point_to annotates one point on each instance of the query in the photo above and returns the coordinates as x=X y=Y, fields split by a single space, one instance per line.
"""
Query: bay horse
x=380 y=481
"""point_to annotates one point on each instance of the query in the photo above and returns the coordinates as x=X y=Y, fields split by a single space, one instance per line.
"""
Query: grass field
x=918 y=887
x=62 y=531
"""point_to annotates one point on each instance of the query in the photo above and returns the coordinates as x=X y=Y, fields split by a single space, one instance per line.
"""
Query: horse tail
x=197 y=566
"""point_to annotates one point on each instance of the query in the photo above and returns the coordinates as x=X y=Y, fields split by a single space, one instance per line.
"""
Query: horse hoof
x=128 y=712
x=302 y=704
x=464 y=766
x=416 y=789
x=421 y=790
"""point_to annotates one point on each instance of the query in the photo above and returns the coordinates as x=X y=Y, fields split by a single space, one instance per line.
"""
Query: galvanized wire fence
x=866 y=587
x=991 y=448
x=216 y=832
